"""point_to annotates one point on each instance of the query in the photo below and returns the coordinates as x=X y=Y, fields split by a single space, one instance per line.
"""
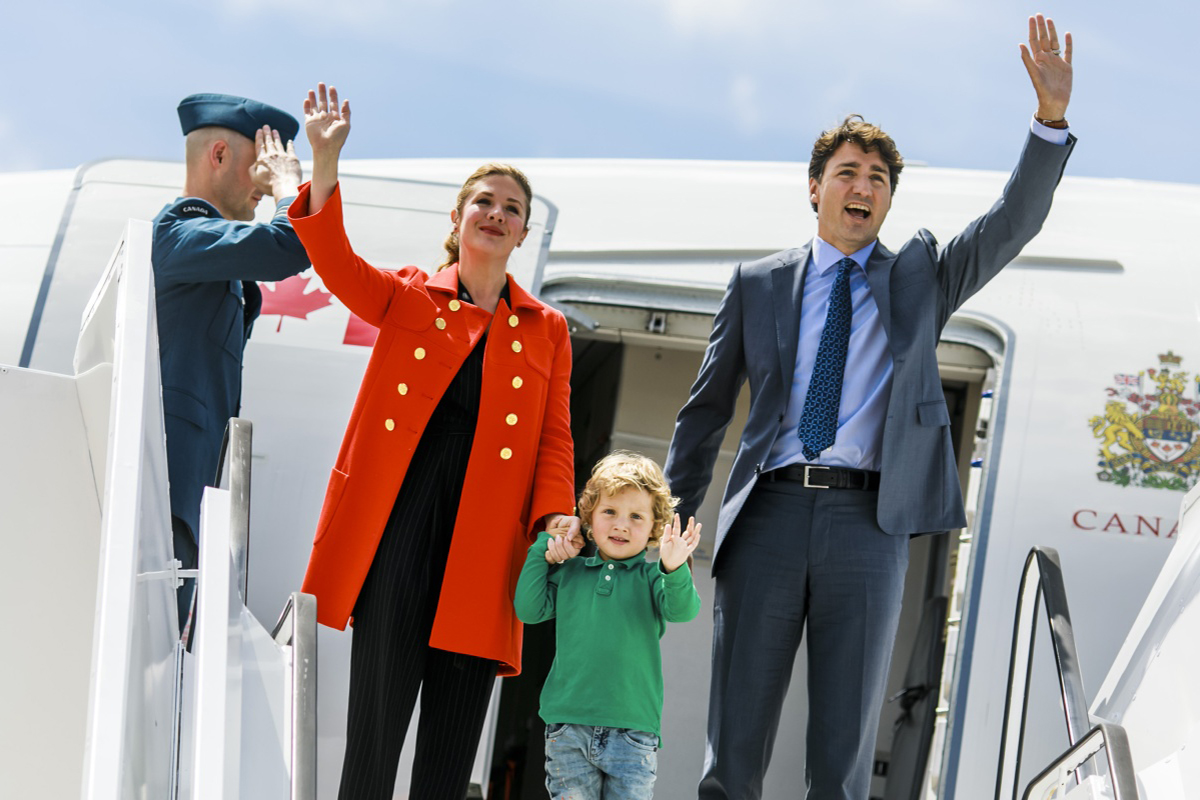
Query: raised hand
x=276 y=169
x=568 y=540
x=326 y=124
x=1049 y=67
x=677 y=544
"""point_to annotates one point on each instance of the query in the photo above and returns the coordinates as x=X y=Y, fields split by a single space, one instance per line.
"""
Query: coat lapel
x=443 y=287
x=879 y=277
x=787 y=289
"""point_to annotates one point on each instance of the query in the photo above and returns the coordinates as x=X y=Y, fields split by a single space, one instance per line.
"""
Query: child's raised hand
x=676 y=544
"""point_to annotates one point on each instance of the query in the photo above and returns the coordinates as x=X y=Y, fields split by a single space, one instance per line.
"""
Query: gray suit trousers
x=801 y=557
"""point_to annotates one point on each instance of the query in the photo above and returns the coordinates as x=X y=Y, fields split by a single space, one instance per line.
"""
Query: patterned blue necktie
x=819 y=422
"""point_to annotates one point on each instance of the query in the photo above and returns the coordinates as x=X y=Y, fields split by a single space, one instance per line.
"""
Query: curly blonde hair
x=620 y=470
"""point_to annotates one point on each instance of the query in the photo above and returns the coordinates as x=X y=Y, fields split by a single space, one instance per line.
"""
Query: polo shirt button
x=610 y=566
x=516 y=346
x=511 y=419
x=512 y=320
x=440 y=323
x=455 y=305
x=419 y=353
x=517 y=382
x=402 y=388
x=506 y=453
x=389 y=424
x=608 y=577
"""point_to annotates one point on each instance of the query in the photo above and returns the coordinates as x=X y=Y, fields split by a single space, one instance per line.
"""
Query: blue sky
x=721 y=79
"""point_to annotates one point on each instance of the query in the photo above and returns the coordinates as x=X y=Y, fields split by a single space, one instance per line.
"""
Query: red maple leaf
x=288 y=299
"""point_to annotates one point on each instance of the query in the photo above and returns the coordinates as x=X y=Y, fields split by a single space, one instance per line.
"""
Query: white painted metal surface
x=1151 y=688
x=104 y=591
x=48 y=590
x=217 y=737
x=131 y=705
x=241 y=743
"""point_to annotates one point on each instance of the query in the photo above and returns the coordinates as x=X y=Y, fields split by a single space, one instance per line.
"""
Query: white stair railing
x=132 y=692
x=255 y=691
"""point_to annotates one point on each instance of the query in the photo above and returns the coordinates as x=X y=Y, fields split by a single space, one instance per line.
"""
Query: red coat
x=521 y=462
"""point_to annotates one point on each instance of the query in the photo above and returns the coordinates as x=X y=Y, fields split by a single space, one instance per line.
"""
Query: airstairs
x=100 y=699
x=1138 y=738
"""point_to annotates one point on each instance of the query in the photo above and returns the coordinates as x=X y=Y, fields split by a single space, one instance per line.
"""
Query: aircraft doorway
x=626 y=391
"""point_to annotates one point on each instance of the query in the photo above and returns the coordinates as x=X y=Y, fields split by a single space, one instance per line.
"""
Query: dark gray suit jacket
x=755 y=335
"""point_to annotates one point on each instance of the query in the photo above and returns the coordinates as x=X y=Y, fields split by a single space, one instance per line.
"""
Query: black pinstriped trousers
x=390 y=654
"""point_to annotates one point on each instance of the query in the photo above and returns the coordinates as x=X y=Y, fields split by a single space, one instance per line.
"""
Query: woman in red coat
x=457 y=452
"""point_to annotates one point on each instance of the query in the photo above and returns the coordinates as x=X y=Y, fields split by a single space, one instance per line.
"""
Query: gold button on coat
x=506 y=454
x=402 y=388
x=455 y=305
x=517 y=382
x=512 y=320
x=441 y=324
x=516 y=347
x=419 y=353
x=511 y=419
x=389 y=424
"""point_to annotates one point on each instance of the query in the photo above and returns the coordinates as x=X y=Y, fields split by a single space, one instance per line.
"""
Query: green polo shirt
x=607 y=665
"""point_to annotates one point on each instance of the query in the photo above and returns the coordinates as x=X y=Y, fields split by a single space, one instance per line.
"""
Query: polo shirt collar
x=627 y=563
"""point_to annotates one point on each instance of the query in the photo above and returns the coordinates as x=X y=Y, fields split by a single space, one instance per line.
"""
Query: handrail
x=237 y=441
x=229 y=512
x=1105 y=736
x=297 y=627
x=1042 y=577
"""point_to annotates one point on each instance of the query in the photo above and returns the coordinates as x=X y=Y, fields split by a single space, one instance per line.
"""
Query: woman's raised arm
x=327 y=127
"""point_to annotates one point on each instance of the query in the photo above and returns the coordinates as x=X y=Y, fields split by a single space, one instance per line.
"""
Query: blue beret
x=236 y=113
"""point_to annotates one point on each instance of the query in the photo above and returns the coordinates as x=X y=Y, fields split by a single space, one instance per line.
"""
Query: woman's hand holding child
x=567 y=542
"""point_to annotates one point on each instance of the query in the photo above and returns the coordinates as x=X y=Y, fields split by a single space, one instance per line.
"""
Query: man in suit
x=207 y=254
x=846 y=452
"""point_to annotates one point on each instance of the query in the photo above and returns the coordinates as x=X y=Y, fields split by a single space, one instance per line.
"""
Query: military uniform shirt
x=206 y=301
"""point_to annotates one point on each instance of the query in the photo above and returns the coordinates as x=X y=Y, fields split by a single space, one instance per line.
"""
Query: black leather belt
x=815 y=476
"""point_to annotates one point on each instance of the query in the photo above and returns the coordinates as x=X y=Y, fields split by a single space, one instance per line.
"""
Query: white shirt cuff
x=1051 y=135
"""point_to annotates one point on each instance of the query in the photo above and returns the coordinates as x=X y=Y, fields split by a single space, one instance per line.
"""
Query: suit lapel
x=787 y=290
x=879 y=277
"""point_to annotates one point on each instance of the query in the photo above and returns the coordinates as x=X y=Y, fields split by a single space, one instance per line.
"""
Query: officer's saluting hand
x=276 y=171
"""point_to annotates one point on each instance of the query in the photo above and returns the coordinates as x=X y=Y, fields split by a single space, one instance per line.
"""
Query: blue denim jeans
x=598 y=763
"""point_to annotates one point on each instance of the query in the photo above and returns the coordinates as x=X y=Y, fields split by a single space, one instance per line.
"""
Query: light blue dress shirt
x=867 y=383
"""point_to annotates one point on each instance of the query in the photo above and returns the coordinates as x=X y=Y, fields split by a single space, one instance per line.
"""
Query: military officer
x=207 y=254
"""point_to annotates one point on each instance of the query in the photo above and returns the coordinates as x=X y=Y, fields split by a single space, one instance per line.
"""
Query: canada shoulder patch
x=193 y=210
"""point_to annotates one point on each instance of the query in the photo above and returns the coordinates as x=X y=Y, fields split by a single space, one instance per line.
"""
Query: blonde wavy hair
x=620 y=470
x=487 y=170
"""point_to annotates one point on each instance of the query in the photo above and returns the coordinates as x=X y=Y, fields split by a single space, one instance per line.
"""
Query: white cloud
x=720 y=16
x=746 y=105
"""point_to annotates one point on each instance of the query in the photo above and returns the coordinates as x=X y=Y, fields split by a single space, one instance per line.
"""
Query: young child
x=602 y=702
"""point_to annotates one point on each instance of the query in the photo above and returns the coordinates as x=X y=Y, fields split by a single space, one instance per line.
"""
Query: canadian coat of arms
x=1148 y=433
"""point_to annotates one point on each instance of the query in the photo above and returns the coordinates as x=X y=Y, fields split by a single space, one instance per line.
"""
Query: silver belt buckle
x=808 y=485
